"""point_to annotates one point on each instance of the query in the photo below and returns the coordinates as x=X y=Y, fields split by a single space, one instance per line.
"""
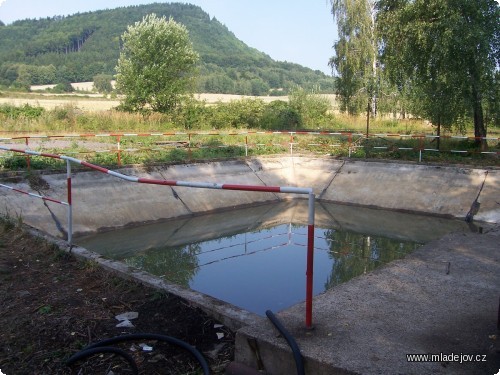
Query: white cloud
x=1 y=2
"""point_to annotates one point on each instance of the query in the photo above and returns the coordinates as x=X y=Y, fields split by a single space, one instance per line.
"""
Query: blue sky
x=299 y=31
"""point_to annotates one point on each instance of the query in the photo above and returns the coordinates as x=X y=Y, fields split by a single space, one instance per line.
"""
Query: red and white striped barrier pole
x=202 y=185
x=310 y=261
x=42 y=197
x=45 y=198
x=70 y=204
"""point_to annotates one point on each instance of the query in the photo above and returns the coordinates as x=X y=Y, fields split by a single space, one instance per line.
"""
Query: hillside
x=78 y=47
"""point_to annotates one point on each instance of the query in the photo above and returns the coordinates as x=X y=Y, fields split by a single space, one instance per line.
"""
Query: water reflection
x=255 y=258
x=354 y=254
x=177 y=264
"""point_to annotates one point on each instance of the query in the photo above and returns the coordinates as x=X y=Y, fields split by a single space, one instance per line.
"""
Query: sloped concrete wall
x=437 y=190
x=101 y=201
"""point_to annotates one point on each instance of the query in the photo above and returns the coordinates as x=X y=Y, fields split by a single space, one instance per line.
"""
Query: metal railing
x=291 y=141
x=203 y=185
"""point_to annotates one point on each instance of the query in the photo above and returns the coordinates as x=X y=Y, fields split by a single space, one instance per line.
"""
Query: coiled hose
x=103 y=347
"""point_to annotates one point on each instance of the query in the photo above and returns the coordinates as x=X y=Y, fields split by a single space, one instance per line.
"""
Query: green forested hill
x=79 y=47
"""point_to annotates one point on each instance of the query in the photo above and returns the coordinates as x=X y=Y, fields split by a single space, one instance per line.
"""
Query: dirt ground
x=52 y=305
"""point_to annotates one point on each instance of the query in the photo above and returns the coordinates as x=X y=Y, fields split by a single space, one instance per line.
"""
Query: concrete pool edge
x=102 y=201
x=231 y=316
x=443 y=298
x=348 y=182
x=336 y=336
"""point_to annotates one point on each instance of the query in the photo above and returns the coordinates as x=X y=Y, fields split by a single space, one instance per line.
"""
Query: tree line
x=84 y=45
x=436 y=59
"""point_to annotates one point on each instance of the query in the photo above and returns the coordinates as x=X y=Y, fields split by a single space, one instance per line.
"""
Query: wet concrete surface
x=442 y=299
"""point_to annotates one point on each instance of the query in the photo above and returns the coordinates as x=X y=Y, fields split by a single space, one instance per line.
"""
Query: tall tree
x=355 y=60
x=156 y=66
x=446 y=50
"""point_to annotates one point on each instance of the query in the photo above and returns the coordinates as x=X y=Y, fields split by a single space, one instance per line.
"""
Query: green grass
x=207 y=143
x=160 y=150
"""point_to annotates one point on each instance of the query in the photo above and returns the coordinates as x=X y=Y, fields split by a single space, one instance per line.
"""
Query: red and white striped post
x=118 y=150
x=70 y=205
x=310 y=261
x=28 y=162
x=202 y=185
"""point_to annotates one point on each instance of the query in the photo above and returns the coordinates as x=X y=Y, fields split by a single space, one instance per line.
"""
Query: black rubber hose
x=152 y=336
x=86 y=353
x=297 y=355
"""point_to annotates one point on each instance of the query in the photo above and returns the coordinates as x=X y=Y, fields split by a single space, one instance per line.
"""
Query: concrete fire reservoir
x=441 y=298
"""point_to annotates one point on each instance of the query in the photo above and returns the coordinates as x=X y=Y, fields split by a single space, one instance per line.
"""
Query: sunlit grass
x=199 y=140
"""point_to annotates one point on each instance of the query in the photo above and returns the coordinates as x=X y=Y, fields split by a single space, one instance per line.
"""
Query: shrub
x=102 y=83
x=191 y=114
x=26 y=111
x=312 y=107
x=279 y=115
x=236 y=114
x=63 y=87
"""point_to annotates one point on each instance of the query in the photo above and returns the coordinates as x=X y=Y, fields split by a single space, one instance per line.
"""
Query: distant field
x=87 y=100
x=84 y=104
x=82 y=86
x=90 y=102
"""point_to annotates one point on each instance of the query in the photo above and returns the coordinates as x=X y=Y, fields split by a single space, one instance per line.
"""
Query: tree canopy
x=446 y=51
x=438 y=58
x=355 y=59
x=156 y=66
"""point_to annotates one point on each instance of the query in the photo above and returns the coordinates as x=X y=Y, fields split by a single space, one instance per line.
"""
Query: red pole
x=70 y=205
x=189 y=147
x=28 y=160
x=350 y=144
x=119 y=153
x=310 y=263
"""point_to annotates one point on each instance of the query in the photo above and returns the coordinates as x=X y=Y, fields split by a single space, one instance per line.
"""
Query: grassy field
x=222 y=131
x=92 y=102
x=88 y=104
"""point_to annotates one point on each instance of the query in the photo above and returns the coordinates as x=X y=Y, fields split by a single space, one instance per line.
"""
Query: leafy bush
x=65 y=114
x=313 y=108
x=63 y=87
x=279 y=115
x=191 y=114
x=303 y=110
x=236 y=114
x=102 y=83
x=26 y=111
